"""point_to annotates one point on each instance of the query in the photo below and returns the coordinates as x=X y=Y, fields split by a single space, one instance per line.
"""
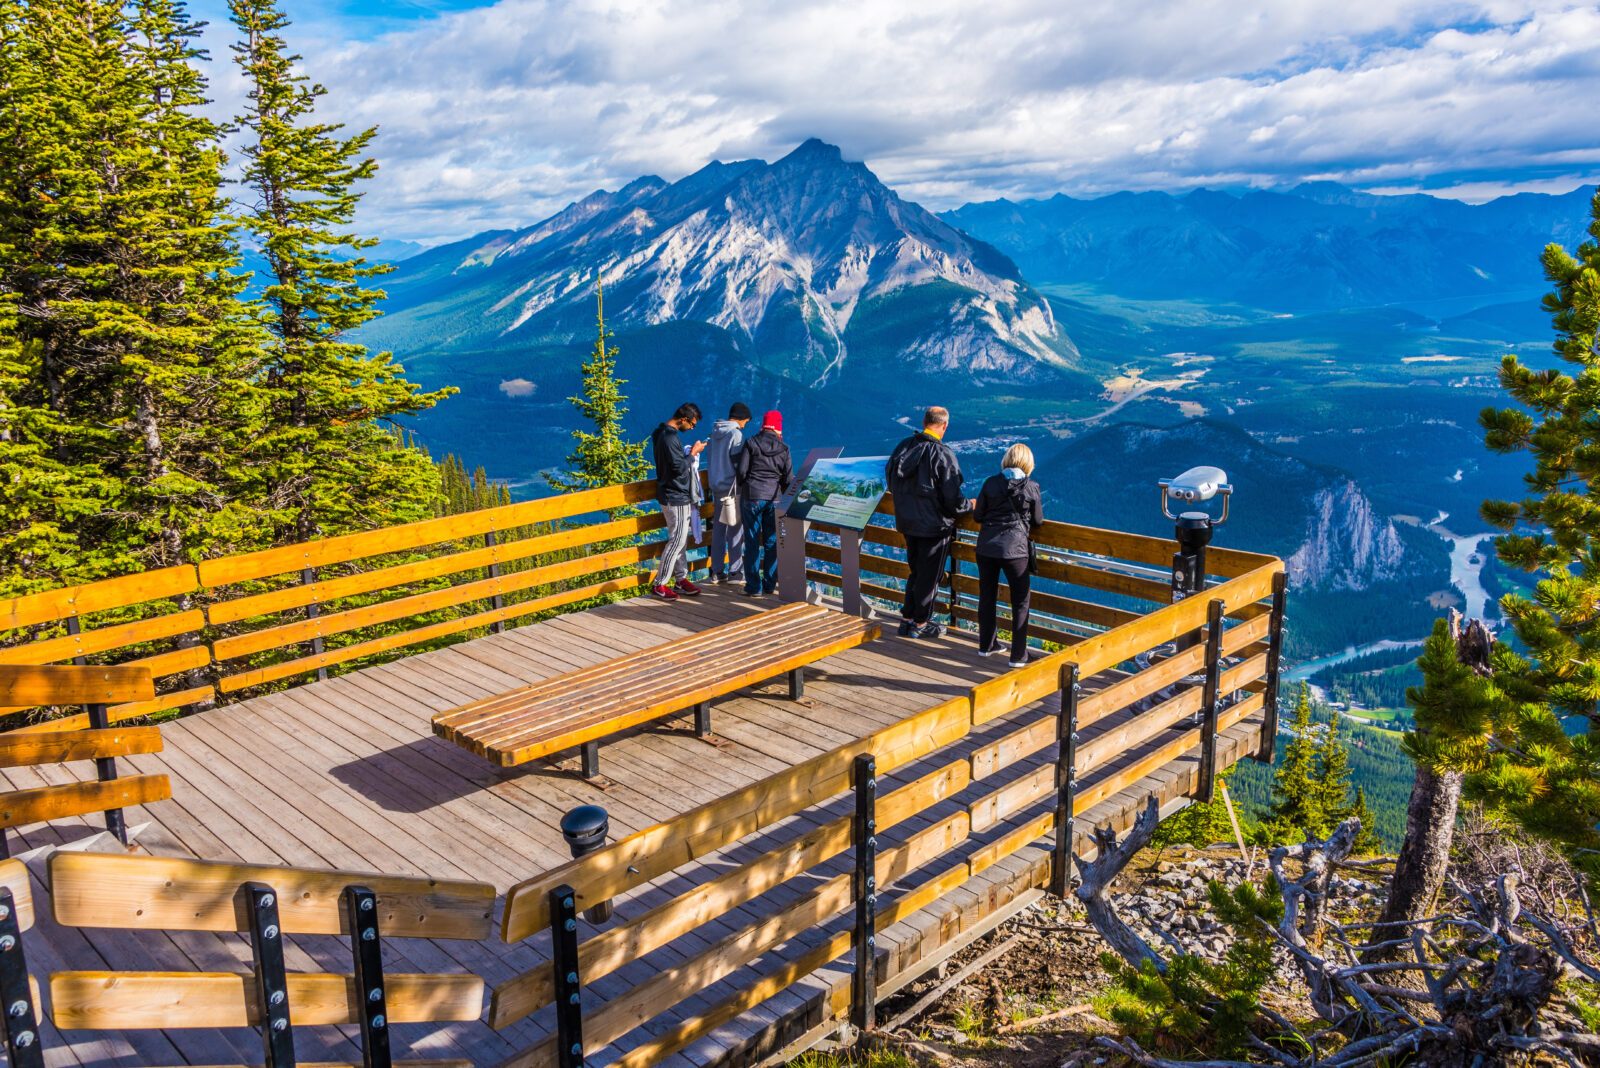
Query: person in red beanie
x=765 y=474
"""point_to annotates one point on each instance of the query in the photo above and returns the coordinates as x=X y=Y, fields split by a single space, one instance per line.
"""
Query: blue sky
x=498 y=114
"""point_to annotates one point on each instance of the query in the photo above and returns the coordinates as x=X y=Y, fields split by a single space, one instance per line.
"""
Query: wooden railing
x=1138 y=691
x=212 y=630
x=1103 y=713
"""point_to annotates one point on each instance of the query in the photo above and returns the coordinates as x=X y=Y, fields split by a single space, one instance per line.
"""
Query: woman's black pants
x=1018 y=581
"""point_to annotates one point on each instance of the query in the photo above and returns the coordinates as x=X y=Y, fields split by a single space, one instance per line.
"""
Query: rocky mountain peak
x=793 y=260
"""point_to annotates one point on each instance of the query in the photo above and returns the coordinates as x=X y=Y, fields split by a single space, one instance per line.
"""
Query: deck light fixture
x=585 y=829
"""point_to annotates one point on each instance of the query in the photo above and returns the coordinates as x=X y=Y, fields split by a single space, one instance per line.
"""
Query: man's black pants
x=926 y=558
x=1019 y=583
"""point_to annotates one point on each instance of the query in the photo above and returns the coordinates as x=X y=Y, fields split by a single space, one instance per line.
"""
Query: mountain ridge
x=1319 y=245
x=798 y=262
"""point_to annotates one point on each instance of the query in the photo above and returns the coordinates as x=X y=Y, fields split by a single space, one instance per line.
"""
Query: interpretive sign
x=843 y=492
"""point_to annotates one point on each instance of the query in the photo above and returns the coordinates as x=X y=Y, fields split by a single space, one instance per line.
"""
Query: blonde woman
x=1008 y=512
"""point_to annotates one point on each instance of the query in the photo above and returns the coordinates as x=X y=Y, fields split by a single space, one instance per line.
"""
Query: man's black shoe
x=931 y=630
x=908 y=629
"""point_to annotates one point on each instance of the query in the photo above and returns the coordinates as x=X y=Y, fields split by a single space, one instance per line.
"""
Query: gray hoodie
x=721 y=453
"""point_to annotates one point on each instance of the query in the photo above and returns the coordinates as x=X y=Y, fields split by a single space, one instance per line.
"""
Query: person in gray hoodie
x=727 y=527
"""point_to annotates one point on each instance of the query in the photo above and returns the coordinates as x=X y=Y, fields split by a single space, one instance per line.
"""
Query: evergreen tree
x=603 y=456
x=124 y=361
x=1296 y=790
x=1367 y=842
x=1523 y=762
x=1333 y=777
x=327 y=459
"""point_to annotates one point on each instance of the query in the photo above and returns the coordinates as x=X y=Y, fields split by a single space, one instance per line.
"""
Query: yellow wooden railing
x=210 y=630
x=1247 y=652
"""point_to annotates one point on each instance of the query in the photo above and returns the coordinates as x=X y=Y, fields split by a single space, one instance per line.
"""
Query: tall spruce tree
x=1333 y=776
x=123 y=356
x=1368 y=841
x=328 y=460
x=1296 y=788
x=603 y=456
x=43 y=490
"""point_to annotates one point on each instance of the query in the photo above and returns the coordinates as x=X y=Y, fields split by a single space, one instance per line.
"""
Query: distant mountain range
x=1315 y=247
x=808 y=269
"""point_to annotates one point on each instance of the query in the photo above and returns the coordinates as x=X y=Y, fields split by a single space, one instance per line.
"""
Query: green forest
x=160 y=403
x=1379 y=767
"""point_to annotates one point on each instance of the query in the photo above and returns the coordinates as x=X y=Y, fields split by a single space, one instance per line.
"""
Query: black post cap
x=585 y=829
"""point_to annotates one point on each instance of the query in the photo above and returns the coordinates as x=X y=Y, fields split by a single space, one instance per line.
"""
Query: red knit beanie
x=773 y=420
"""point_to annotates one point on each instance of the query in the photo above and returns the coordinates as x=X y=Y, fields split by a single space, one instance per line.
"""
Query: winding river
x=1466 y=575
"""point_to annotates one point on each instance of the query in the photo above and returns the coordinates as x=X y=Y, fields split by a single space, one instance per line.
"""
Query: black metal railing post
x=105 y=769
x=498 y=601
x=366 y=949
x=864 y=886
x=21 y=1015
x=272 y=984
x=1066 y=780
x=1206 y=788
x=308 y=577
x=568 y=983
x=1269 y=700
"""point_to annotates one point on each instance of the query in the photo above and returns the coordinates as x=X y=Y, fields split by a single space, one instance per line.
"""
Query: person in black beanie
x=925 y=478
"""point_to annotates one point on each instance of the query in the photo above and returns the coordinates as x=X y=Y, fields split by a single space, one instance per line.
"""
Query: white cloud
x=517 y=387
x=500 y=115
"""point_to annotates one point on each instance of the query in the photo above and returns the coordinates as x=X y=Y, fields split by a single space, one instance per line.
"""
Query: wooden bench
x=173 y=894
x=94 y=688
x=578 y=709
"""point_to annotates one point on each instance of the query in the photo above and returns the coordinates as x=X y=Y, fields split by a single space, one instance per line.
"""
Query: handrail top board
x=227 y=570
x=177 y=894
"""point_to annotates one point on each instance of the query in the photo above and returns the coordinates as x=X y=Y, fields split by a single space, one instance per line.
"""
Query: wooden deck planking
x=346 y=773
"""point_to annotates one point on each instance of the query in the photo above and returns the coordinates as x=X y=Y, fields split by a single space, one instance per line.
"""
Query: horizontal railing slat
x=606 y=952
x=656 y=850
x=101 y=1001
x=52 y=606
x=326 y=590
x=231 y=569
x=305 y=664
x=178 y=894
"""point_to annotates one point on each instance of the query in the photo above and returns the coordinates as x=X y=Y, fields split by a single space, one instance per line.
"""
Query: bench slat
x=569 y=710
x=56 y=747
x=43 y=803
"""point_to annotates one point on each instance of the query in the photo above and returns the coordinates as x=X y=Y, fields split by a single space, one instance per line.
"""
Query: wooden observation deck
x=731 y=857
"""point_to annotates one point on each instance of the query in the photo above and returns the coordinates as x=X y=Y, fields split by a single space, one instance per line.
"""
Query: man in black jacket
x=925 y=478
x=765 y=475
x=675 y=492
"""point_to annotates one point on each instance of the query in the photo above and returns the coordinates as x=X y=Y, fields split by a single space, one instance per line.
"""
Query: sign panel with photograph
x=843 y=491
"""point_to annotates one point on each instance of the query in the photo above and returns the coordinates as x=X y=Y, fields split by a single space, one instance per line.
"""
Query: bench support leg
x=797 y=684
x=702 y=719
x=589 y=759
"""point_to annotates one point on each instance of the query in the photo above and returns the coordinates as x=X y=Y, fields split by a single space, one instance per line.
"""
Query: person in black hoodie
x=675 y=492
x=925 y=478
x=765 y=475
x=1008 y=511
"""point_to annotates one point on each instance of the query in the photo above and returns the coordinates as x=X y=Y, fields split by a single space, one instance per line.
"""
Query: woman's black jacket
x=1008 y=513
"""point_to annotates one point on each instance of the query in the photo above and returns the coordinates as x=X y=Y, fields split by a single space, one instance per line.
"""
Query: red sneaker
x=666 y=593
x=687 y=588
